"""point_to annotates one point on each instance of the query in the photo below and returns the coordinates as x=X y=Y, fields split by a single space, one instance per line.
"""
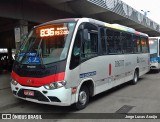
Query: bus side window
x=127 y=43
x=117 y=42
x=136 y=44
x=144 y=44
x=103 y=41
x=110 y=41
x=114 y=45
x=90 y=46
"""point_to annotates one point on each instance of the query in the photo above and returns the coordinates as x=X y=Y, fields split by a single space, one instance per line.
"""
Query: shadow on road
x=153 y=72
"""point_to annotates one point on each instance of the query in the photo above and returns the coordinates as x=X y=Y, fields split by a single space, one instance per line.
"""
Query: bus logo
x=28 y=81
x=88 y=74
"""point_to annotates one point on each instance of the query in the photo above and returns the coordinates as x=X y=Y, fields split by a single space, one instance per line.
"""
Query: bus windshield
x=46 y=44
x=153 y=46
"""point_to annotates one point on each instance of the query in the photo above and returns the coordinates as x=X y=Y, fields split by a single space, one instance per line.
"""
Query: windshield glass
x=153 y=46
x=46 y=44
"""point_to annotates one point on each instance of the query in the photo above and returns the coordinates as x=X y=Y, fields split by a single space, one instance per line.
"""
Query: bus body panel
x=104 y=71
x=154 y=66
x=120 y=72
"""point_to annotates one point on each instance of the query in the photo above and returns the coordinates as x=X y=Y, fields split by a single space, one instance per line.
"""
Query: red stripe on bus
x=110 y=69
x=137 y=32
x=37 y=82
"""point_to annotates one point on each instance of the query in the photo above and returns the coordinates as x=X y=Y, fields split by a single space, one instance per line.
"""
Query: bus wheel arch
x=90 y=85
x=86 y=90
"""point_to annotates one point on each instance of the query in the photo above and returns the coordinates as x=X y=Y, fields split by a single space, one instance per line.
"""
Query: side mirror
x=23 y=38
x=86 y=36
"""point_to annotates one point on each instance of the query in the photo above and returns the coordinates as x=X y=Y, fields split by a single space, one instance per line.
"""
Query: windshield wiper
x=29 y=49
x=39 y=52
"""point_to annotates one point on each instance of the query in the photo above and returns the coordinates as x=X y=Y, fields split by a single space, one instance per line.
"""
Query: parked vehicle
x=67 y=61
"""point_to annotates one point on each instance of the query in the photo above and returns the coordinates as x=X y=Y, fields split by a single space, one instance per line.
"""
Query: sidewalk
x=5 y=81
x=6 y=97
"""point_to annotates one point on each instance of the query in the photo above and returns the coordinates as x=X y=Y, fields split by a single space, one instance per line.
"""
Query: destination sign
x=57 y=31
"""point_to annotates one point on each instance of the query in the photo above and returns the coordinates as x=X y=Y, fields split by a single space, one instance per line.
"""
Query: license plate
x=28 y=93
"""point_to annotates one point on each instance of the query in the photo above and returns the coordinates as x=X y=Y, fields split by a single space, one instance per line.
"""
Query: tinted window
x=136 y=44
x=103 y=40
x=84 y=49
x=127 y=43
x=90 y=47
x=144 y=44
x=114 y=45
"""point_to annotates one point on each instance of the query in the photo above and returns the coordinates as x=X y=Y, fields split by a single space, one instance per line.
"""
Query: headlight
x=55 y=85
x=14 y=82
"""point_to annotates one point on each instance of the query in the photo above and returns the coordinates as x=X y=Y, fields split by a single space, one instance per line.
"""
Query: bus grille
x=33 y=73
x=37 y=95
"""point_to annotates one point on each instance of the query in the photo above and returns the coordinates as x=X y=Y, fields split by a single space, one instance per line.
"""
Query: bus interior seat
x=56 y=52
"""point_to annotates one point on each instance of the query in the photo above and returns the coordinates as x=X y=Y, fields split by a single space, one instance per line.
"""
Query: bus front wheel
x=83 y=98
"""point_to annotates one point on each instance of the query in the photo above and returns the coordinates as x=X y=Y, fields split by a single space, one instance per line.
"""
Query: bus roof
x=60 y=21
x=154 y=37
x=113 y=26
x=117 y=27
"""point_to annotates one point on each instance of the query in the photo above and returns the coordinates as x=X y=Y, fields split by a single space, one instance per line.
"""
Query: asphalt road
x=142 y=98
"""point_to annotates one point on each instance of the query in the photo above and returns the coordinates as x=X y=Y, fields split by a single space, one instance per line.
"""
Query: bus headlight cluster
x=14 y=82
x=55 y=85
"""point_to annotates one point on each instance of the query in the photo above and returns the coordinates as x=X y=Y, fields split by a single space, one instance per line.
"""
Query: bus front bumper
x=154 y=65
x=59 y=97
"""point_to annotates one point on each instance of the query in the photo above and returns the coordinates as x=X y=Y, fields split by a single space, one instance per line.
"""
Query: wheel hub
x=82 y=97
x=135 y=77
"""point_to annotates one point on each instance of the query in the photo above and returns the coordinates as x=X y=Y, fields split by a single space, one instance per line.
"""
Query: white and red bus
x=67 y=61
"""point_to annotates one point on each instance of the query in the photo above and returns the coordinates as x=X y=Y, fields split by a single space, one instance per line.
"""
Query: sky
x=147 y=5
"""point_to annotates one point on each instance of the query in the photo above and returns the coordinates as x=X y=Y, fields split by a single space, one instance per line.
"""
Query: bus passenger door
x=83 y=63
x=90 y=66
x=74 y=67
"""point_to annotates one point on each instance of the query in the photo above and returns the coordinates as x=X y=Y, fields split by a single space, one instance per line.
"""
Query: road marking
x=125 y=109
x=9 y=106
x=5 y=88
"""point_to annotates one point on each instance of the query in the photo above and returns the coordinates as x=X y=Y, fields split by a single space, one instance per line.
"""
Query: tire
x=83 y=98
x=157 y=71
x=135 y=78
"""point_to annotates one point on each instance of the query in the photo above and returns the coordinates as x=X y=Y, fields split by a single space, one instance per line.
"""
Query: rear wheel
x=135 y=78
x=83 y=98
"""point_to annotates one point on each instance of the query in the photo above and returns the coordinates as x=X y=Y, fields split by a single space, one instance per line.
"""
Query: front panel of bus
x=154 y=53
x=39 y=70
